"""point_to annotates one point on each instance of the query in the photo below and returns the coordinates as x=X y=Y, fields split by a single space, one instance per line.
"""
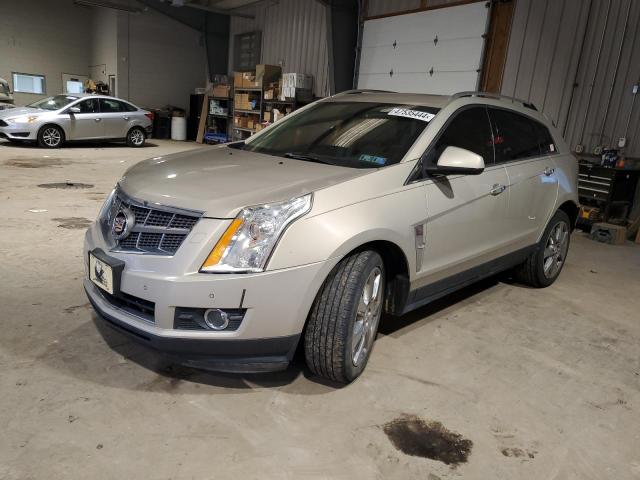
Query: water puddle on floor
x=420 y=438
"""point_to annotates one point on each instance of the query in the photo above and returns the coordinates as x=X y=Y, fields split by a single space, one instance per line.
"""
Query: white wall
x=160 y=61
x=46 y=38
x=157 y=60
x=104 y=43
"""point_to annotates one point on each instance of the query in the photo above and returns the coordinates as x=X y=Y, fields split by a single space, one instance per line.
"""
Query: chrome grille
x=158 y=230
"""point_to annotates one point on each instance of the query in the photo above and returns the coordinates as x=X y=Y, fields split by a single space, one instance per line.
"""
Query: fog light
x=216 y=319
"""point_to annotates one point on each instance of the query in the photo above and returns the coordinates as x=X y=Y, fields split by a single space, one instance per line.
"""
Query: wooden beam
x=204 y=113
x=425 y=9
x=497 y=45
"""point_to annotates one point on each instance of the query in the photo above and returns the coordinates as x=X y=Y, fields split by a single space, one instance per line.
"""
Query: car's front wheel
x=544 y=265
x=50 y=136
x=344 y=318
x=136 y=137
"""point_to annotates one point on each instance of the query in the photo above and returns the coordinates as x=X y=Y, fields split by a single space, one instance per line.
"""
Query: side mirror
x=454 y=160
x=73 y=110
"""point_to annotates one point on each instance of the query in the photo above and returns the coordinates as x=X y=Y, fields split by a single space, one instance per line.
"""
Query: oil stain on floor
x=419 y=438
x=36 y=162
x=66 y=185
x=72 y=223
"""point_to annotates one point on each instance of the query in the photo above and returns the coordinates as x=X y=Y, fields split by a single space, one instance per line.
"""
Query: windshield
x=350 y=134
x=54 y=103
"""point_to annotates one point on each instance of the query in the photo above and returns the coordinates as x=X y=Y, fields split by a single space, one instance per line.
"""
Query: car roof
x=441 y=101
x=426 y=100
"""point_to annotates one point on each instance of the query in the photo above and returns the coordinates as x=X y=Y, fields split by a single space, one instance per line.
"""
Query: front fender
x=335 y=233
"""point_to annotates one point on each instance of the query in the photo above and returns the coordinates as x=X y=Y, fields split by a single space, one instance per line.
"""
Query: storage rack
x=219 y=123
x=239 y=133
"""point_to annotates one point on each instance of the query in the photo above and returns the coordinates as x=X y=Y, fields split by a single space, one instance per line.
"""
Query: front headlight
x=22 y=119
x=248 y=242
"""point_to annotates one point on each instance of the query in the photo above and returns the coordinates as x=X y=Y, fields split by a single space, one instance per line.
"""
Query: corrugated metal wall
x=294 y=35
x=546 y=50
x=556 y=43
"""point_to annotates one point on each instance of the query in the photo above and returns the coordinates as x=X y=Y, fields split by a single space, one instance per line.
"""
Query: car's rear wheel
x=136 y=137
x=544 y=265
x=344 y=318
x=50 y=136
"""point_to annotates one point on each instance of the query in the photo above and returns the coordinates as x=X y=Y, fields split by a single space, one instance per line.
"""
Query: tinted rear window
x=515 y=136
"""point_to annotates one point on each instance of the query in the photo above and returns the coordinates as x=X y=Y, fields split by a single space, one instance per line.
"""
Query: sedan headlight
x=23 y=119
x=248 y=242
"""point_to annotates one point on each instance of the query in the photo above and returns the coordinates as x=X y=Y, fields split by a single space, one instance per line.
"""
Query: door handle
x=549 y=171
x=125 y=118
x=497 y=189
x=97 y=119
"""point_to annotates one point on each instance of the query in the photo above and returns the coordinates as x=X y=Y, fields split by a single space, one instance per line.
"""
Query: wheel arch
x=53 y=124
x=571 y=209
x=396 y=269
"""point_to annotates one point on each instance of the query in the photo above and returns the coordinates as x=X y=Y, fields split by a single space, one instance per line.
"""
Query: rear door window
x=469 y=129
x=89 y=106
x=516 y=137
x=110 y=106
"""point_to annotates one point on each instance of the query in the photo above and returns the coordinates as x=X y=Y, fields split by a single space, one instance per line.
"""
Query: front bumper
x=18 y=132
x=276 y=302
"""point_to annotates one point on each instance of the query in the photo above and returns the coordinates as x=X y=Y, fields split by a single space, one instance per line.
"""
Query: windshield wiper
x=307 y=157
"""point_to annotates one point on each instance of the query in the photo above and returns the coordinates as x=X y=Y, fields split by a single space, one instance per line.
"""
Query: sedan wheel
x=136 y=137
x=50 y=137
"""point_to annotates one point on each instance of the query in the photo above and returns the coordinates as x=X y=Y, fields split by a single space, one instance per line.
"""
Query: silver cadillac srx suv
x=227 y=257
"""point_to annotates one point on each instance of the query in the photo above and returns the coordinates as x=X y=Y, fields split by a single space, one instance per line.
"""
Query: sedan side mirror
x=455 y=160
x=73 y=110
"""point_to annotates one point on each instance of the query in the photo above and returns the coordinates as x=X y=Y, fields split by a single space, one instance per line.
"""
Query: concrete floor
x=545 y=383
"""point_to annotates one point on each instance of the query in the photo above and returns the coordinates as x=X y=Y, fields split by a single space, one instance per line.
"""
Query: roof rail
x=496 y=96
x=362 y=90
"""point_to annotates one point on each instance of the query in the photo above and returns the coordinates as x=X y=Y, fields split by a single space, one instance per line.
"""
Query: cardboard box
x=269 y=94
x=221 y=91
x=237 y=79
x=266 y=74
x=609 y=233
x=237 y=121
x=241 y=101
x=297 y=80
x=250 y=123
x=267 y=116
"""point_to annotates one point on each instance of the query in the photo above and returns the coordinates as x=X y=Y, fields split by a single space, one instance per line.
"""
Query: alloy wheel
x=51 y=137
x=367 y=317
x=137 y=137
x=555 y=250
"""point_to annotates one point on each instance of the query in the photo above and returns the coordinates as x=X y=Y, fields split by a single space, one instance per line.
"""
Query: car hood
x=14 y=112
x=220 y=181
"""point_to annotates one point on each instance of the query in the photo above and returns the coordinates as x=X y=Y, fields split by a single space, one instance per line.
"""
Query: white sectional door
x=435 y=51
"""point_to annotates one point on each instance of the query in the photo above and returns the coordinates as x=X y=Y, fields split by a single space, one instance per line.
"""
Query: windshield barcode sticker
x=415 y=114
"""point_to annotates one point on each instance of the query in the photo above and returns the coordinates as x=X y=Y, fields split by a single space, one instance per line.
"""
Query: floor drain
x=70 y=185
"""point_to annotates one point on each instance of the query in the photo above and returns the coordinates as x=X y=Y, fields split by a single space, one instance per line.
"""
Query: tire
x=50 y=136
x=136 y=137
x=544 y=265
x=350 y=301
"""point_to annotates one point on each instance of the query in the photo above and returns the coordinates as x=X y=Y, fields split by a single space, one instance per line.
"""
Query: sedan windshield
x=54 y=103
x=350 y=134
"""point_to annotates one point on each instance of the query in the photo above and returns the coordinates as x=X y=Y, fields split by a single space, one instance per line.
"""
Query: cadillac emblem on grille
x=122 y=223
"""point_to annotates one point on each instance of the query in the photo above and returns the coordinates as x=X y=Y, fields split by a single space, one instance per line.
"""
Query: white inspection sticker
x=415 y=114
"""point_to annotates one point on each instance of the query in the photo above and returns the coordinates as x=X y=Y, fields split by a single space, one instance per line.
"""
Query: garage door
x=436 y=51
